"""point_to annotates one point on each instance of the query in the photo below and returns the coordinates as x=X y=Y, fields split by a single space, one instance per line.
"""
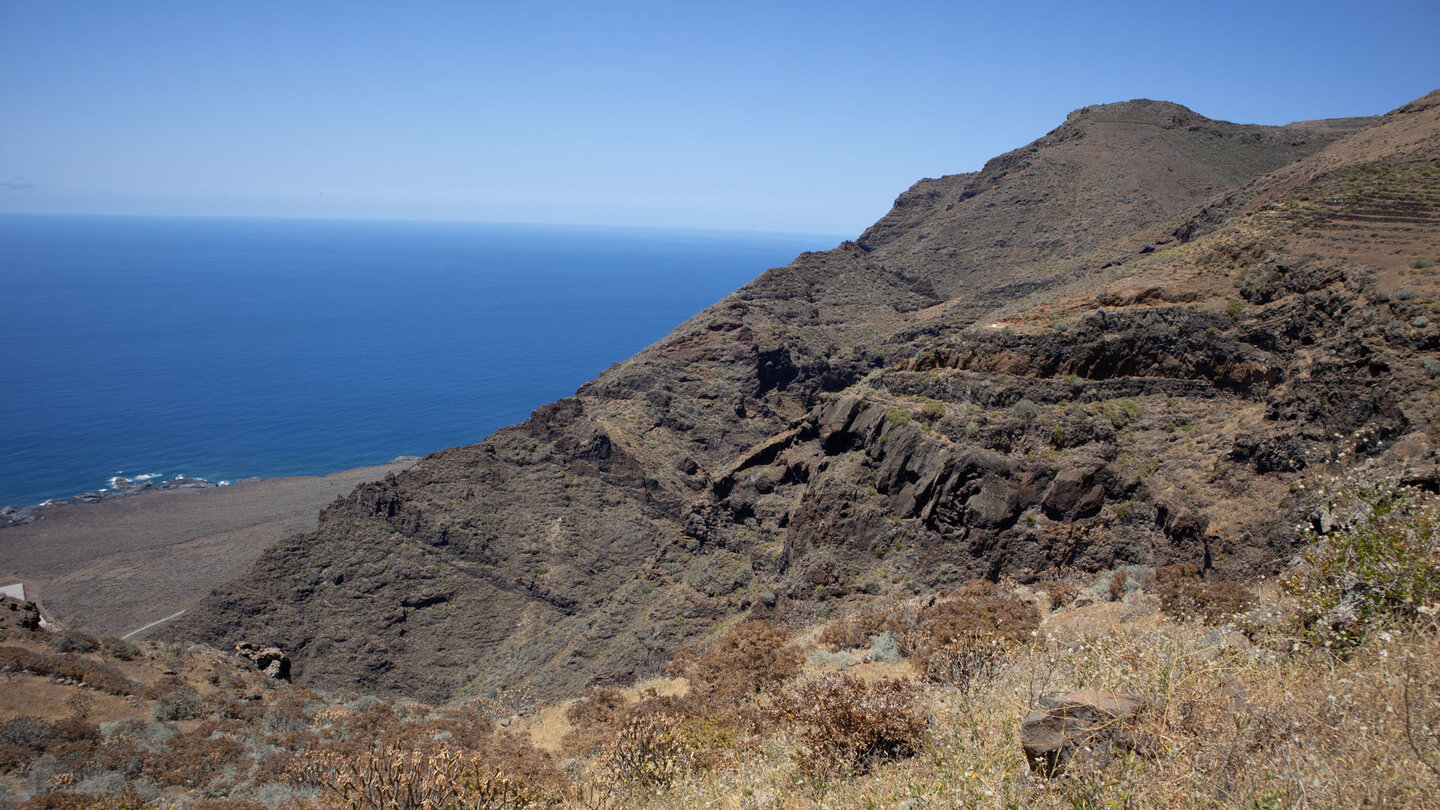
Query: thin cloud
x=18 y=184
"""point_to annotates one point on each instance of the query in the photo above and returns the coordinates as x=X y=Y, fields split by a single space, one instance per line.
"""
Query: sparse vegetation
x=1184 y=594
x=848 y=725
x=1377 y=567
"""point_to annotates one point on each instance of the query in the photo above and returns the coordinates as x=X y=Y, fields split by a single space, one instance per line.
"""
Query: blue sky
x=780 y=116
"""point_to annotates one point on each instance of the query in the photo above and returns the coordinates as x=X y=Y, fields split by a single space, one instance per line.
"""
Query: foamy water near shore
x=117 y=564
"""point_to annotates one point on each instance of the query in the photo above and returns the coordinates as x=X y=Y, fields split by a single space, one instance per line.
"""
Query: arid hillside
x=1122 y=344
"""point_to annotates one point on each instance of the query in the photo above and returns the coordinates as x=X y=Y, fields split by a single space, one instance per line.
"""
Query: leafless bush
x=513 y=701
x=967 y=661
x=848 y=724
x=648 y=751
x=390 y=778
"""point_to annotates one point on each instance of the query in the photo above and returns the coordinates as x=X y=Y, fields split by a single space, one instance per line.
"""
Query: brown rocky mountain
x=1122 y=343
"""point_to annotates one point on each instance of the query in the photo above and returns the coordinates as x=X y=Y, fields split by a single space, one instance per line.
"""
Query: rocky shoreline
x=121 y=487
x=122 y=562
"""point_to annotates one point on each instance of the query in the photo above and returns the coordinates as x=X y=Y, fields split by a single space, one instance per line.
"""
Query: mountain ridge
x=854 y=424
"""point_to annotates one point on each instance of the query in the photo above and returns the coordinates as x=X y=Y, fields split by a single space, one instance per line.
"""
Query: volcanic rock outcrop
x=1125 y=343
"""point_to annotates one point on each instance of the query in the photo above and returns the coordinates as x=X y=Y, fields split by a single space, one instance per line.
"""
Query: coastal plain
x=113 y=567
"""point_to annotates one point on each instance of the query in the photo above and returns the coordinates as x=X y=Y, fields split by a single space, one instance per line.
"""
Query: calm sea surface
x=228 y=348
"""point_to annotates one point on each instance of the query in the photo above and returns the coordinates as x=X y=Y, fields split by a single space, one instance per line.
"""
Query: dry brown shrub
x=225 y=804
x=25 y=731
x=1062 y=592
x=73 y=641
x=1183 y=594
x=976 y=610
x=967 y=661
x=594 y=719
x=99 y=675
x=1117 y=586
x=745 y=661
x=595 y=704
x=290 y=710
x=846 y=724
x=194 y=759
x=175 y=700
x=855 y=631
x=647 y=751
x=389 y=778
x=122 y=752
x=119 y=649
x=15 y=758
x=512 y=701
x=76 y=801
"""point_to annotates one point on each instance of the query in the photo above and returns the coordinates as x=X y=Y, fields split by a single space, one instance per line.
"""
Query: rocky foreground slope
x=1122 y=343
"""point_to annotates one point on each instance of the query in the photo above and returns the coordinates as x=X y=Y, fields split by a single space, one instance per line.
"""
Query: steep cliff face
x=1120 y=343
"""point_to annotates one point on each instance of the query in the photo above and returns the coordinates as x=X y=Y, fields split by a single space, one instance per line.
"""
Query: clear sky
x=772 y=115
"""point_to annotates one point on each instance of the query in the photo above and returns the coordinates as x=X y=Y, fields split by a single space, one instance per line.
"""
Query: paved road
x=134 y=633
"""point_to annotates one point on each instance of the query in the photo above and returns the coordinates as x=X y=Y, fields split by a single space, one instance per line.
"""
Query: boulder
x=1073 y=494
x=270 y=660
x=19 y=614
x=1099 y=723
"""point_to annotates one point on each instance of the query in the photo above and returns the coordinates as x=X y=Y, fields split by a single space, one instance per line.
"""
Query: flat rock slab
x=108 y=568
x=1100 y=723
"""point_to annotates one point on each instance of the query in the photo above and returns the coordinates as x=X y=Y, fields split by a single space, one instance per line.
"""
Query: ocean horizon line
x=526 y=224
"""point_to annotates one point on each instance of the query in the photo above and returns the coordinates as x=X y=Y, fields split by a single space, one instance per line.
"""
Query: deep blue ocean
x=229 y=348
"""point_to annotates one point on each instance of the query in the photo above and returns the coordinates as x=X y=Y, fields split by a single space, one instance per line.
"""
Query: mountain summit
x=1118 y=344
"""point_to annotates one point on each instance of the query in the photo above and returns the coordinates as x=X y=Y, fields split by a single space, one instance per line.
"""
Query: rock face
x=1114 y=346
x=1090 y=723
x=270 y=660
x=17 y=614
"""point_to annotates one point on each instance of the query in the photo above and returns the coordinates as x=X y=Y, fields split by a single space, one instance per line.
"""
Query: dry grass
x=1235 y=724
x=1258 y=713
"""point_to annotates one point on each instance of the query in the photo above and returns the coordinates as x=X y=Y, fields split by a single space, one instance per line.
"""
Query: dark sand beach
x=112 y=567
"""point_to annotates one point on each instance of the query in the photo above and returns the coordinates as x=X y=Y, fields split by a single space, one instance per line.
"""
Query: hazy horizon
x=807 y=118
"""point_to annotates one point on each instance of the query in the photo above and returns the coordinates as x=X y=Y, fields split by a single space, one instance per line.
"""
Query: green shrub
x=1124 y=413
x=932 y=411
x=1025 y=409
x=1233 y=308
x=897 y=415
x=1379 y=565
